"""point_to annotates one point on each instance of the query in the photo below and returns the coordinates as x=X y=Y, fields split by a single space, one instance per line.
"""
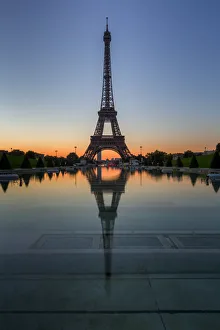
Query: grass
x=204 y=161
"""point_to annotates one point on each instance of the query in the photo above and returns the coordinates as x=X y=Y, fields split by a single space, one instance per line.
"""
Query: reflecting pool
x=110 y=248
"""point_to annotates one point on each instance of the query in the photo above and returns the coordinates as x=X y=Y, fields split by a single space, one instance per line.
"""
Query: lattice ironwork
x=107 y=113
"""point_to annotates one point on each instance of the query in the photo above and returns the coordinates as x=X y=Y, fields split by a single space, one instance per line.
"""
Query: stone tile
x=76 y=295
x=187 y=294
x=136 y=241
x=81 y=322
x=60 y=241
x=191 y=321
x=197 y=241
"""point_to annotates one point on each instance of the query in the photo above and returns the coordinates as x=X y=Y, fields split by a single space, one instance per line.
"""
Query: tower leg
x=99 y=156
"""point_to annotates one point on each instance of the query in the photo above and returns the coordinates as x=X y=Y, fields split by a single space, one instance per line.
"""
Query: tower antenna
x=106 y=23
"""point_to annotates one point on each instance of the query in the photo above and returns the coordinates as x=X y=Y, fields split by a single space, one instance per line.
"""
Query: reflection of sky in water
x=149 y=202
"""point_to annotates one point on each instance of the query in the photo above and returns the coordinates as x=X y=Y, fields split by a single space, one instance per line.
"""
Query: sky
x=165 y=71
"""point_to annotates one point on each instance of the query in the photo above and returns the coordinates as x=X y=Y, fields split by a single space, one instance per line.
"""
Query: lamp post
x=141 y=154
x=75 y=149
x=56 y=152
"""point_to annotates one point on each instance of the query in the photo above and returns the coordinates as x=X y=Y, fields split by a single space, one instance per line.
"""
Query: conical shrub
x=50 y=162
x=179 y=162
x=169 y=162
x=26 y=163
x=194 y=163
x=4 y=162
x=40 y=163
x=215 y=163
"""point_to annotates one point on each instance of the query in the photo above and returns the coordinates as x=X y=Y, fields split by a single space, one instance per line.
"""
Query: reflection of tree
x=26 y=178
x=107 y=214
x=178 y=176
x=50 y=175
x=215 y=185
x=193 y=178
x=4 y=185
x=39 y=176
x=156 y=175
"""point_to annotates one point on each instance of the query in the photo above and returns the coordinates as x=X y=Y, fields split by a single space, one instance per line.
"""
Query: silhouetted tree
x=169 y=162
x=218 y=147
x=187 y=154
x=4 y=162
x=17 y=152
x=50 y=162
x=57 y=161
x=26 y=163
x=194 y=163
x=72 y=158
x=179 y=162
x=156 y=157
x=40 y=163
x=215 y=163
x=63 y=161
x=31 y=154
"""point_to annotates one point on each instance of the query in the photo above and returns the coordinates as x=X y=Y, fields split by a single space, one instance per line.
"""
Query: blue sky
x=165 y=63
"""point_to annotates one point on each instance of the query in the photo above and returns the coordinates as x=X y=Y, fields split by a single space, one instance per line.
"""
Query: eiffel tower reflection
x=107 y=214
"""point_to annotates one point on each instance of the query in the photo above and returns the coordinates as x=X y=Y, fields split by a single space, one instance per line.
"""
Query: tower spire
x=99 y=141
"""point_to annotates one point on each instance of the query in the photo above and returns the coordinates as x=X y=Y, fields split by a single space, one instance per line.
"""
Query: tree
x=4 y=162
x=57 y=161
x=194 y=163
x=31 y=154
x=156 y=157
x=17 y=152
x=169 y=162
x=40 y=163
x=179 y=162
x=215 y=163
x=187 y=154
x=218 y=147
x=26 y=163
x=50 y=162
x=63 y=161
x=72 y=158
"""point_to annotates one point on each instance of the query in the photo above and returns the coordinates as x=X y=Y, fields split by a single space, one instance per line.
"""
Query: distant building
x=179 y=154
x=208 y=152
x=134 y=162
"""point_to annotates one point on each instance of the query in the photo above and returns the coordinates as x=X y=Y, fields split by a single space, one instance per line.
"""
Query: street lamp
x=56 y=152
x=141 y=150
x=75 y=149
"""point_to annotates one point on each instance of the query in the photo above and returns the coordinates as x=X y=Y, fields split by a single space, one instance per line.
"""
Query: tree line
x=30 y=157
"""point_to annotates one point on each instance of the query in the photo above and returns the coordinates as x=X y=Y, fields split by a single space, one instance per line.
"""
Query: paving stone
x=81 y=322
x=187 y=294
x=76 y=295
x=64 y=242
x=192 y=321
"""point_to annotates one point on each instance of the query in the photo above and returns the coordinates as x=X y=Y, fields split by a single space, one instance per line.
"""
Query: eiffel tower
x=107 y=113
x=107 y=214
